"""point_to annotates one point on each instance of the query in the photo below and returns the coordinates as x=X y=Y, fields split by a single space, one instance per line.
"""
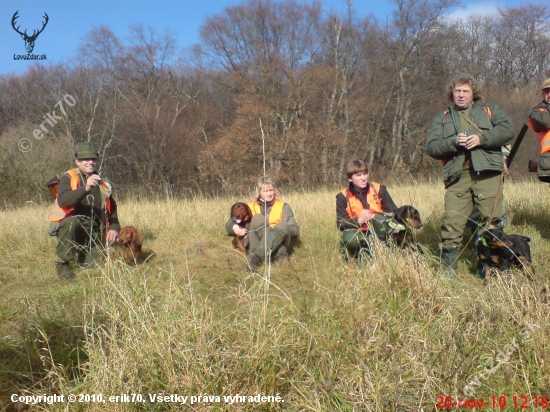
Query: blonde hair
x=263 y=181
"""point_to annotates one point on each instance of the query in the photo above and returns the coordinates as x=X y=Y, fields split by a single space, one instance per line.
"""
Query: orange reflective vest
x=58 y=213
x=354 y=205
x=276 y=213
x=544 y=137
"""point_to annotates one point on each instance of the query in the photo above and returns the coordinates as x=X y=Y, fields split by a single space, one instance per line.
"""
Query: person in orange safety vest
x=539 y=120
x=275 y=237
x=361 y=202
x=84 y=215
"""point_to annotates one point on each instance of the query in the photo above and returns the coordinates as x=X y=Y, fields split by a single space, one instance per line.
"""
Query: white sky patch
x=479 y=9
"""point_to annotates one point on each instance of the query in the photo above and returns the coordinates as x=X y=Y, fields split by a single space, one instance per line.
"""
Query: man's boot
x=64 y=270
x=252 y=263
x=93 y=258
x=450 y=261
x=503 y=221
x=284 y=256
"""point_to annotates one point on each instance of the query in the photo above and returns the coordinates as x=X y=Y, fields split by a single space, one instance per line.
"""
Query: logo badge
x=29 y=40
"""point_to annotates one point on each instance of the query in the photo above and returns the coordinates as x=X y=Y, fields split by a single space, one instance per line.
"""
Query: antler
x=34 y=33
x=15 y=16
x=34 y=36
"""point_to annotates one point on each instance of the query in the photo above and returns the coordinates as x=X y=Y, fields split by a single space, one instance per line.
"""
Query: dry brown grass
x=391 y=334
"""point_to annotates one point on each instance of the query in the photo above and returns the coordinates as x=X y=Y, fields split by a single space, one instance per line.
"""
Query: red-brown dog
x=242 y=216
x=131 y=240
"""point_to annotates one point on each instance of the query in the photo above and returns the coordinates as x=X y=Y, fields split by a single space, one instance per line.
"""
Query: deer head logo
x=29 y=40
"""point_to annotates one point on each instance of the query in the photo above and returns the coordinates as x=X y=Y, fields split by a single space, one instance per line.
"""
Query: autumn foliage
x=308 y=88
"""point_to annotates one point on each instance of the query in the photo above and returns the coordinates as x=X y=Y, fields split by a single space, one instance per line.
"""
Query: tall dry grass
x=324 y=334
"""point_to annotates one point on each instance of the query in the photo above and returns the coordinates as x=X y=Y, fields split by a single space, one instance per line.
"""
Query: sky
x=70 y=20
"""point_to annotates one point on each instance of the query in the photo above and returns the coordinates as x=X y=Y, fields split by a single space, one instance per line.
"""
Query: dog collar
x=395 y=227
x=484 y=241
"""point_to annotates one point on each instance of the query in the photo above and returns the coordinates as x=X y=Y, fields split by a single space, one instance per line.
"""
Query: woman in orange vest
x=358 y=204
x=275 y=237
x=84 y=213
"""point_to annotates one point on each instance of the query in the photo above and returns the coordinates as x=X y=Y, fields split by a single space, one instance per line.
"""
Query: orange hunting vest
x=276 y=214
x=59 y=213
x=355 y=207
x=544 y=137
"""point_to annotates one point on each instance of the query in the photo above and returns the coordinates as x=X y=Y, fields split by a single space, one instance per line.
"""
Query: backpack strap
x=470 y=122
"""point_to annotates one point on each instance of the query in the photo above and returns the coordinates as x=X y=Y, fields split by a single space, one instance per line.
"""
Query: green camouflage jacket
x=498 y=130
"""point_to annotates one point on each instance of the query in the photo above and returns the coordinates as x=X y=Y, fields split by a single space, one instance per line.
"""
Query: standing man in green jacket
x=467 y=137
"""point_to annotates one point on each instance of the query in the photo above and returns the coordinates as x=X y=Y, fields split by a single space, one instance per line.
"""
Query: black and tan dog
x=242 y=216
x=498 y=250
x=399 y=228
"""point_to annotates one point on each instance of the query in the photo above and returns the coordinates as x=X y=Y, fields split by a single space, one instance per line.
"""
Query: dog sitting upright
x=398 y=228
x=131 y=242
x=497 y=249
x=242 y=216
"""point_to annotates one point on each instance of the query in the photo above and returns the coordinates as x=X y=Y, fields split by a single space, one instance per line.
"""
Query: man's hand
x=468 y=141
x=239 y=231
x=112 y=236
x=92 y=181
x=365 y=216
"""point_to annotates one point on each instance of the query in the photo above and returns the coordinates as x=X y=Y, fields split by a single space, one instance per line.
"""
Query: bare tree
x=412 y=43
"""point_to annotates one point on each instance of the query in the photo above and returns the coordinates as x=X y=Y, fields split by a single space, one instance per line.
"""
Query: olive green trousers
x=265 y=239
x=353 y=240
x=481 y=191
x=78 y=240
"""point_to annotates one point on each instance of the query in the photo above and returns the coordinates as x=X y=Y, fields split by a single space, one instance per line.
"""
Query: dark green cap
x=86 y=151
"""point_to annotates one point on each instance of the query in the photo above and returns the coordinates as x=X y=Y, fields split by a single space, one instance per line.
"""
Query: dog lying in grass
x=242 y=216
x=498 y=250
x=131 y=241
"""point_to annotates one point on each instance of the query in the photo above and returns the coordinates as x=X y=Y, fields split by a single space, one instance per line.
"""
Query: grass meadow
x=323 y=334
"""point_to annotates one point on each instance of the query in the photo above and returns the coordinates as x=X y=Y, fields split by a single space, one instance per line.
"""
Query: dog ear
x=128 y=235
x=487 y=235
x=138 y=237
x=401 y=213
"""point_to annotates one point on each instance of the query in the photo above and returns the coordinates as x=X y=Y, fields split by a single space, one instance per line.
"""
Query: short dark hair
x=464 y=80
x=356 y=166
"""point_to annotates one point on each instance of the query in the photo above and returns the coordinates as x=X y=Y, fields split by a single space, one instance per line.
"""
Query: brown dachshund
x=242 y=216
x=131 y=241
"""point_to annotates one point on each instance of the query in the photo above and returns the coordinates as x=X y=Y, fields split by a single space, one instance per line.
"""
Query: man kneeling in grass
x=84 y=215
x=362 y=201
